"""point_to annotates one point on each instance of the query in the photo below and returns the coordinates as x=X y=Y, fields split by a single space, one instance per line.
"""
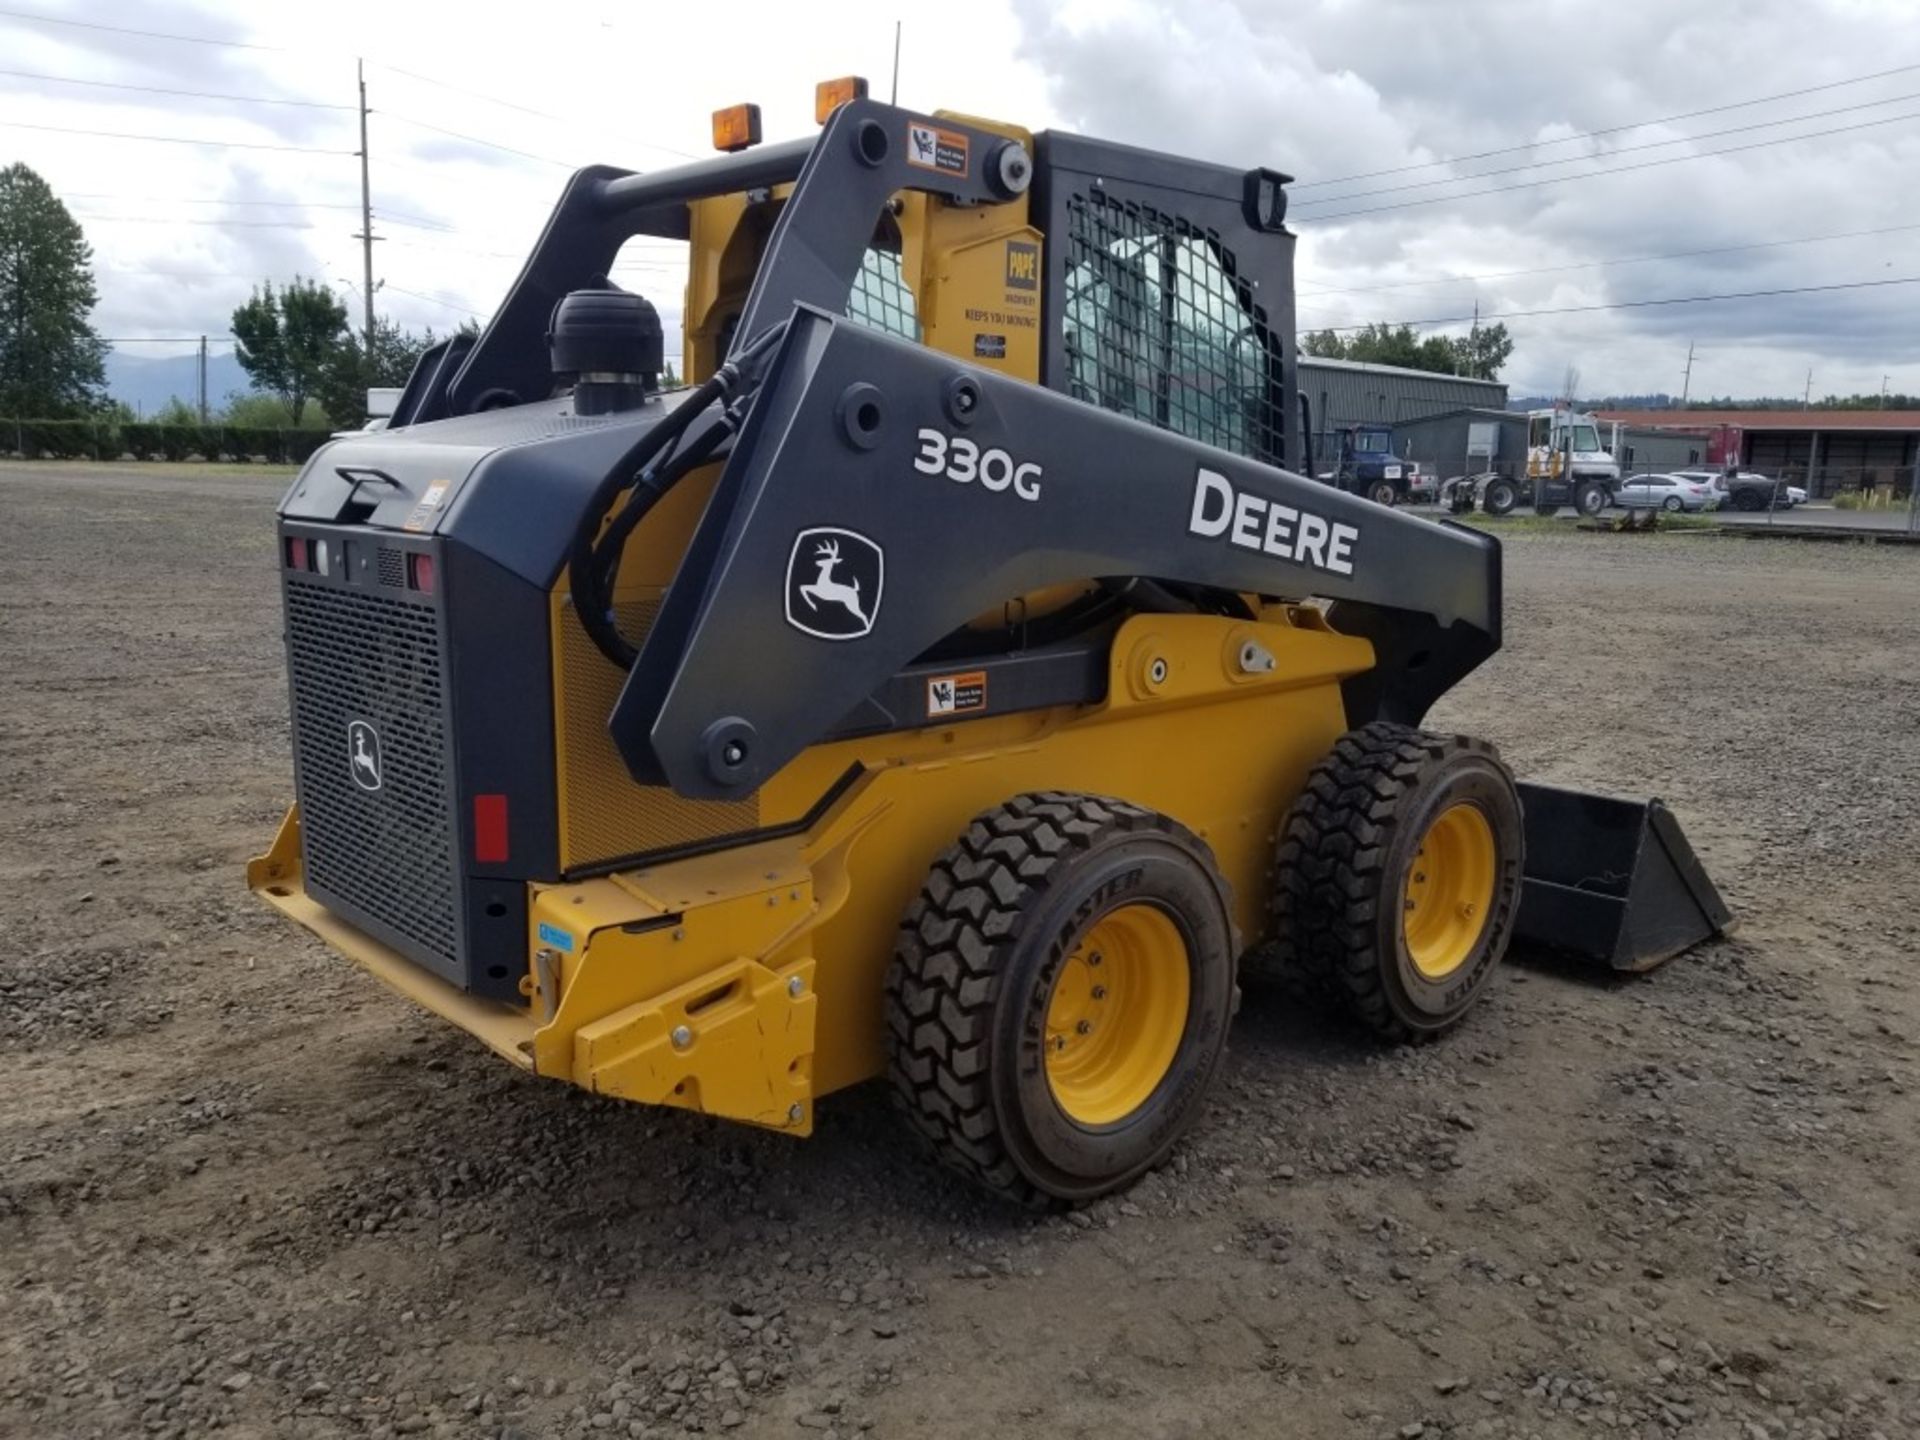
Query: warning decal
x=932 y=148
x=956 y=694
x=989 y=347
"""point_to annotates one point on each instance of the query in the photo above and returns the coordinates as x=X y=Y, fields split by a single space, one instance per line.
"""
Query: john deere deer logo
x=833 y=583
x=363 y=754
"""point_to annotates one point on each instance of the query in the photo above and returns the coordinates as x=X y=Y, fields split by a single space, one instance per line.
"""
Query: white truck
x=1566 y=465
x=1554 y=436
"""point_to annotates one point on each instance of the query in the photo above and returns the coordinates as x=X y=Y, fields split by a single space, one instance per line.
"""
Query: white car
x=1672 y=493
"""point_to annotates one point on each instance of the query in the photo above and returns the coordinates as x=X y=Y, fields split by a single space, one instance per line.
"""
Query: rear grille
x=388 y=852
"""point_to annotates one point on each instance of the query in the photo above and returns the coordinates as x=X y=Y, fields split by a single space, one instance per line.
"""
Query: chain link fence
x=1884 y=497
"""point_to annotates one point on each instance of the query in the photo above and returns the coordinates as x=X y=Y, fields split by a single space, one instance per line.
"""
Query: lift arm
x=881 y=493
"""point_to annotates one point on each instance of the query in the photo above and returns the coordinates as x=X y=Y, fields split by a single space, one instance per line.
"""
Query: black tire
x=1501 y=497
x=1748 y=500
x=1383 y=492
x=1673 y=505
x=1347 y=858
x=1590 y=498
x=998 y=923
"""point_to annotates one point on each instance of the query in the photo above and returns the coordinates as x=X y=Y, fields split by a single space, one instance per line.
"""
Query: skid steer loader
x=951 y=685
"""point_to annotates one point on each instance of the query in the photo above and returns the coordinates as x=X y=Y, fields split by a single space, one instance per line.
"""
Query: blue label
x=553 y=935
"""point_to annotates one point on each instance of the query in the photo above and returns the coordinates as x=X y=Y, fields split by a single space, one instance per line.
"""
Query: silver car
x=1666 y=492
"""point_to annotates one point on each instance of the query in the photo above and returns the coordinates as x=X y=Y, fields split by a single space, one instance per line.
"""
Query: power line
x=210 y=224
x=143 y=34
x=283 y=50
x=187 y=94
x=174 y=139
x=1609 y=170
x=464 y=309
x=204 y=200
x=476 y=140
x=1621 y=150
x=1602 y=264
x=515 y=105
x=1609 y=130
x=1637 y=304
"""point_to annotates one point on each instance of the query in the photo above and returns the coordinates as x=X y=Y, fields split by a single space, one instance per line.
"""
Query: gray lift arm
x=881 y=494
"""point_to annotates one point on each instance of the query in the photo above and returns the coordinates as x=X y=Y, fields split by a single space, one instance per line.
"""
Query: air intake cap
x=608 y=343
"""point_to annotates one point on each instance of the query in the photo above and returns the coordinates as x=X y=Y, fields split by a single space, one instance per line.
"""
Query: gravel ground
x=244 y=1188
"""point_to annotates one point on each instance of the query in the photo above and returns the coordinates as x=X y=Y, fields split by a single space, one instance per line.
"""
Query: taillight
x=490 y=829
x=420 y=573
x=296 y=552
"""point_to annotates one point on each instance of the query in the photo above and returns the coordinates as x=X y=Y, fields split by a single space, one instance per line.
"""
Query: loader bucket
x=1612 y=881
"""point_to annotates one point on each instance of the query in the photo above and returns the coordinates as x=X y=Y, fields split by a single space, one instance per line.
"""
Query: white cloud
x=1319 y=88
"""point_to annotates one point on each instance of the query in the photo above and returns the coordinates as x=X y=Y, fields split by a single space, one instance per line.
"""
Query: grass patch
x=1563 y=524
x=1882 y=498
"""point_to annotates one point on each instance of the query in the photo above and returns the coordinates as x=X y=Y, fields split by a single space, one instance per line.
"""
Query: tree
x=286 y=342
x=342 y=391
x=259 y=411
x=51 y=360
x=1479 y=355
x=1482 y=353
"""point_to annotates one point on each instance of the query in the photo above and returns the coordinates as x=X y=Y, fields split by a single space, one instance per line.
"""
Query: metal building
x=1351 y=392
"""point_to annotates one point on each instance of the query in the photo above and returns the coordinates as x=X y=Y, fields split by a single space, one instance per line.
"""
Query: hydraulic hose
x=592 y=601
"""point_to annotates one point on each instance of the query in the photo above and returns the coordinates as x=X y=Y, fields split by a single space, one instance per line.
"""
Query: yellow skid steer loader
x=951 y=684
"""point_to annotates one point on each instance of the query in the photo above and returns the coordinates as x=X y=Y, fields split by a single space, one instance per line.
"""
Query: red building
x=1825 y=450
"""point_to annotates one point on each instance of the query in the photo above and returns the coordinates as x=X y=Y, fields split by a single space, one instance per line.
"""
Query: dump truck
x=960 y=683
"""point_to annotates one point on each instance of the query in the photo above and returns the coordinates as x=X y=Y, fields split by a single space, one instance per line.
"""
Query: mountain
x=147 y=382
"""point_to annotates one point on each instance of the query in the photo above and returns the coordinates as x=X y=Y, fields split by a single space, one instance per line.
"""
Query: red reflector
x=490 y=829
x=296 y=552
x=420 y=573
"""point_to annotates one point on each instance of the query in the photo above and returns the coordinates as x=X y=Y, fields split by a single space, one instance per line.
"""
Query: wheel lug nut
x=1099 y=992
x=1095 y=958
x=1085 y=1027
x=1419 y=877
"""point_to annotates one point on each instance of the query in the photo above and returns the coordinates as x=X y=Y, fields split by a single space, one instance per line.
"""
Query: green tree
x=287 y=341
x=51 y=359
x=343 y=389
x=1324 y=345
x=1480 y=354
x=176 y=412
x=258 y=411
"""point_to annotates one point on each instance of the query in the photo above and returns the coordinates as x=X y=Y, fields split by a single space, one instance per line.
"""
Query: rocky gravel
x=243 y=1189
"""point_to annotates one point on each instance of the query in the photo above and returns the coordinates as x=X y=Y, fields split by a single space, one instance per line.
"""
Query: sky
x=1384 y=111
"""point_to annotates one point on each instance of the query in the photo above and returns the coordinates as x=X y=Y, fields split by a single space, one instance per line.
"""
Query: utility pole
x=365 y=237
x=203 y=379
x=893 y=95
x=1883 y=390
x=1686 y=382
x=1806 y=402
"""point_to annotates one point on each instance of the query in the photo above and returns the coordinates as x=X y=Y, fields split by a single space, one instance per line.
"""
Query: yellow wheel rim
x=1118 y=1010
x=1449 y=891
